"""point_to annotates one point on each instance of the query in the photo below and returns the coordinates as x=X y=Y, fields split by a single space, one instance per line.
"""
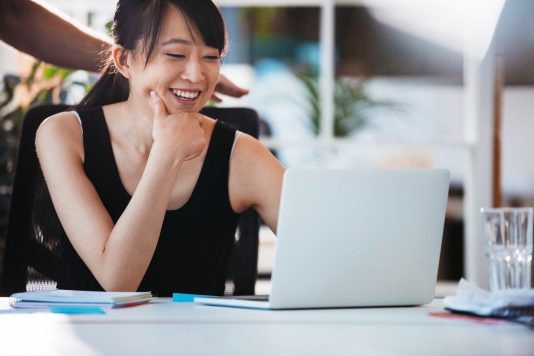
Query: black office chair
x=30 y=260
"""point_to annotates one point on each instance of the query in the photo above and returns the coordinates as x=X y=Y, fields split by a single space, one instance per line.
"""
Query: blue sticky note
x=184 y=297
x=77 y=310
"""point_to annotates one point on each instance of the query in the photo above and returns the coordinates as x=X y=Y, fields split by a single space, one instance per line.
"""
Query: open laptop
x=354 y=238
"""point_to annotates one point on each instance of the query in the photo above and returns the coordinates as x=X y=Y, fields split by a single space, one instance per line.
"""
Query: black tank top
x=195 y=241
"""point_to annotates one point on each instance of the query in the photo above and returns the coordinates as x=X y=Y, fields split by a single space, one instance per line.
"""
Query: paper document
x=77 y=298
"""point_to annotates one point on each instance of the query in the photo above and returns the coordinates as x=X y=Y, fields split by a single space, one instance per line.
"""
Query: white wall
x=518 y=141
x=436 y=113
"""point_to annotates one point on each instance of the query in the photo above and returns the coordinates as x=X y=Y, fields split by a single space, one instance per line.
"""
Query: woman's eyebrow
x=176 y=41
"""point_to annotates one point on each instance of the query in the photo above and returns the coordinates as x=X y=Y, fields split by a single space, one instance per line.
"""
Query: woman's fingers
x=181 y=132
x=160 y=110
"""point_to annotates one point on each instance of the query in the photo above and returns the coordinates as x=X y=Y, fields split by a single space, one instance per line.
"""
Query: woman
x=148 y=190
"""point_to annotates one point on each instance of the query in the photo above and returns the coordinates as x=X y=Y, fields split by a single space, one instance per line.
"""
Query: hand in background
x=227 y=87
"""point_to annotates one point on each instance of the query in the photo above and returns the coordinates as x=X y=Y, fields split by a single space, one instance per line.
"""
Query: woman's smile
x=185 y=96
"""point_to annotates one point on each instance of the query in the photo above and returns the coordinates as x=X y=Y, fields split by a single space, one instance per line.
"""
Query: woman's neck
x=132 y=123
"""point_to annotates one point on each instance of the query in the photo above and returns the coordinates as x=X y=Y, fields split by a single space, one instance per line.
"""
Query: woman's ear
x=121 y=60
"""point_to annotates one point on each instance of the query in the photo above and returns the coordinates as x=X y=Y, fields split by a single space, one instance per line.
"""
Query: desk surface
x=163 y=327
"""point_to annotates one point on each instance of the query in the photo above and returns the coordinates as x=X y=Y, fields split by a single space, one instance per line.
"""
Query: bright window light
x=464 y=26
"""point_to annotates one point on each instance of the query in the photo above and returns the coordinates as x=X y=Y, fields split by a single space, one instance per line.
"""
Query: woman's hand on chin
x=181 y=134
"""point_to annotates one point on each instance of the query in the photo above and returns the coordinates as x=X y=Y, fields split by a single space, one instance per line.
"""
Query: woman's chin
x=179 y=110
x=182 y=105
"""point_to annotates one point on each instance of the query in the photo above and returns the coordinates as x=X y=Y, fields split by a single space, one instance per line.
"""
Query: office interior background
x=355 y=84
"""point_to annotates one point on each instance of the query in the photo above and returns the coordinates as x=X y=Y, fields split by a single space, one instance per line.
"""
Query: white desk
x=163 y=327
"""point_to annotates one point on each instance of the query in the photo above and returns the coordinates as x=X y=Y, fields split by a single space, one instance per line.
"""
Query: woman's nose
x=192 y=71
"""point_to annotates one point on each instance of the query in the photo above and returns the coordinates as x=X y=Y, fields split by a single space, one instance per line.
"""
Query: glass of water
x=508 y=236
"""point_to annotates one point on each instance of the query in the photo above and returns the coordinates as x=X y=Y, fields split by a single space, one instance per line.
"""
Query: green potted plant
x=351 y=103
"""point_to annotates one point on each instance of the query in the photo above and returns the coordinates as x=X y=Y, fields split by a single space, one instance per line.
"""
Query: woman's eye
x=175 y=55
x=212 y=58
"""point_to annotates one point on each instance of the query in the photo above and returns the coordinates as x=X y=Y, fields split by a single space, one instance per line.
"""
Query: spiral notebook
x=77 y=298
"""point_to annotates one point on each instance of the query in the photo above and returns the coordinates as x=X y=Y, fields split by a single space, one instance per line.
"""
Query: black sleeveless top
x=195 y=241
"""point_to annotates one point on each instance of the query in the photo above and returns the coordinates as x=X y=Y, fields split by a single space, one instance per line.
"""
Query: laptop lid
x=354 y=238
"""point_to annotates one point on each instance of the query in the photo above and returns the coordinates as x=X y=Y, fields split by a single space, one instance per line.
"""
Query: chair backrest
x=30 y=260
x=24 y=254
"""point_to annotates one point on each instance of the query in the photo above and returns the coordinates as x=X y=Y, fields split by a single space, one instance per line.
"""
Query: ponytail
x=110 y=88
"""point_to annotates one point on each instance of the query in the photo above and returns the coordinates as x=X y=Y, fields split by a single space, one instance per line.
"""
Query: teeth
x=186 y=94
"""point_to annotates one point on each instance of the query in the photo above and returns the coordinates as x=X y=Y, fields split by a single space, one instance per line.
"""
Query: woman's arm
x=117 y=255
x=255 y=180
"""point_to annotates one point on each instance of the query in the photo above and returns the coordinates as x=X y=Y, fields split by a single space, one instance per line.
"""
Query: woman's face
x=182 y=69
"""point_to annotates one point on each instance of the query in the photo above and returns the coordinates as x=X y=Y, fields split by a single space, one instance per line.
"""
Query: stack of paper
x=76 y=298
x=508 y=303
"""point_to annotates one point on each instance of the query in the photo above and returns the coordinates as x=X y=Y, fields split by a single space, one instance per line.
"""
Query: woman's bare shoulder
x=249 y=148
x=62 y=129
x=251 y=159
x=255 y=179
x=60 y=122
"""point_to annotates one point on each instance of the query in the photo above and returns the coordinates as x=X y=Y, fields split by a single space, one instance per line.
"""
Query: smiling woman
x=189 y=65
x=147 y=189
x=140 y=40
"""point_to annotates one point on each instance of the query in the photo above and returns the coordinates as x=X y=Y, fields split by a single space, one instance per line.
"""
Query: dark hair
x=137 y=25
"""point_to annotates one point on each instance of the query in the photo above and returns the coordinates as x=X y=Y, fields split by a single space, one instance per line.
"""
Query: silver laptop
x=355 y=238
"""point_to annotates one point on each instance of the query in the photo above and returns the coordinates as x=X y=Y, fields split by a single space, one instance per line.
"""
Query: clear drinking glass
x=508 y=236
